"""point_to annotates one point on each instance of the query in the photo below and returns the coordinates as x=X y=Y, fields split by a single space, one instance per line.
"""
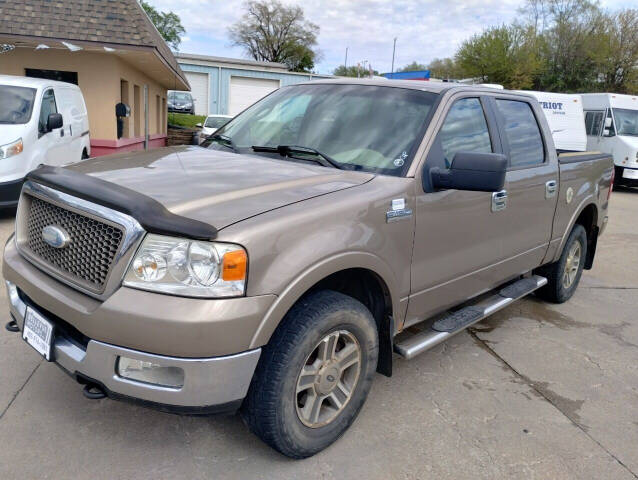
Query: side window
x=611 y=130
x=48 y=107
x=593 y=122
x=522 y=133
x=464 y=130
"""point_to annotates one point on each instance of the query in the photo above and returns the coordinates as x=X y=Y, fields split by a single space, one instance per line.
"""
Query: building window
x=58 y=75
x=137 y=108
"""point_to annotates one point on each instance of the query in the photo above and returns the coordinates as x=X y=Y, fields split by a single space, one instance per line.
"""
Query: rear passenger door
x=531 y=184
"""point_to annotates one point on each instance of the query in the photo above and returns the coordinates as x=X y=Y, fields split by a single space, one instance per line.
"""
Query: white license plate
x=627 y=173
x=38 y=332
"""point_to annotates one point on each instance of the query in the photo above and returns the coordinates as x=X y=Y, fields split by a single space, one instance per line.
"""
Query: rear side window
x=593 y=122
x=464 y=130
x=48 y=107
x=522 y=133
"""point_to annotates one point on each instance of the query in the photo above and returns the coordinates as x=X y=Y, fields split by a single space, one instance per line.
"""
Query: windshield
x=216 y=122
x=626 y=121
x=16 y=104
x=182 y=97
x=360 y=127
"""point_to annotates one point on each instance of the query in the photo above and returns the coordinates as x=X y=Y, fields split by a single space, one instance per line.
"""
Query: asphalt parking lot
x=536 y=391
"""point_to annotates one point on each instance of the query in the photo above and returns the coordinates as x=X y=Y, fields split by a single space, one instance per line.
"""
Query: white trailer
x=611 y=122
x=564 y=113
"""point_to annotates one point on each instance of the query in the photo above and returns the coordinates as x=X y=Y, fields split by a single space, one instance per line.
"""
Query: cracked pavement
x=535 y=391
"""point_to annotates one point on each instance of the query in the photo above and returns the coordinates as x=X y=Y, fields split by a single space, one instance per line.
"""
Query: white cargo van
x=611 y=121
x=41 y=122
x=564 y=113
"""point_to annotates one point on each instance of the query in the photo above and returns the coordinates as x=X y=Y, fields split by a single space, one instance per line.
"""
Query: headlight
x=188 y=267
x=11 y=149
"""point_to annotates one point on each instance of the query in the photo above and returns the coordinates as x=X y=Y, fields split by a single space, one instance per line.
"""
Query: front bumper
x=211 y=385
x=620 y=178
x=10 y=193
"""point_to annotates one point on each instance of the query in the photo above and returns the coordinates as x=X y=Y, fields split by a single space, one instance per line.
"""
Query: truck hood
x=631 y=142
x=217 y=187
x=10 y=133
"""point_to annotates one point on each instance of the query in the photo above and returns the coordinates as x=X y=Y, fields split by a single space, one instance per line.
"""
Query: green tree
x=413 y=67
x=445 y=68
x=567 y=40
x=168 y=24
x=273 y=32
x=502 y=55
x=617 y=58
x=353 y=71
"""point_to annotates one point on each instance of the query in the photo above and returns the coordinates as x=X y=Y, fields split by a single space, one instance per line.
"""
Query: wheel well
x=368 y=288
x=588 y=218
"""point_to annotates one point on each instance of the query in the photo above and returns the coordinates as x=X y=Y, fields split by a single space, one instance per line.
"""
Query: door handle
x=499 y=201
x=550 y=188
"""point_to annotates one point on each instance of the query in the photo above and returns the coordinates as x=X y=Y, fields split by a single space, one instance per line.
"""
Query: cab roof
x=426 y=86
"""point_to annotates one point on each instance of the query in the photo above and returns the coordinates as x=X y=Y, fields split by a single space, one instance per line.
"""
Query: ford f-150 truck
x=278 y=268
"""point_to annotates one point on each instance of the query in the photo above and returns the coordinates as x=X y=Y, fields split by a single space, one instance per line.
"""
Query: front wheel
x=564 y=275
x=314 y=375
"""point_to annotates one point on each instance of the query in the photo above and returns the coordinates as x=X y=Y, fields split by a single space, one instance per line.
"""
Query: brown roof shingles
x=121 y=22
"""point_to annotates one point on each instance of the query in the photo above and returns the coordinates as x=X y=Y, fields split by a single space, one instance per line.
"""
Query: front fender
x=317 y=272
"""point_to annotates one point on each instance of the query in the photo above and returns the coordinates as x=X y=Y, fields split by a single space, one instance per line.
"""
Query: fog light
x=148 y=372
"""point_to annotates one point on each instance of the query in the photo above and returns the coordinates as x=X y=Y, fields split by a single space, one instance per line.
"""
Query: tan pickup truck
x=277 y=269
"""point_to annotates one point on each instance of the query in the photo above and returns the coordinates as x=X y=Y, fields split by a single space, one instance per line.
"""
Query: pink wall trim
x=101 y=147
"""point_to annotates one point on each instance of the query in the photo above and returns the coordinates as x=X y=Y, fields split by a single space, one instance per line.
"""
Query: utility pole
x=394 y=48
x=345 y=63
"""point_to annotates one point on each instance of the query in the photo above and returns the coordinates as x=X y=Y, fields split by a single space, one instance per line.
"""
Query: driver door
x=51 y=145
x=457 y=243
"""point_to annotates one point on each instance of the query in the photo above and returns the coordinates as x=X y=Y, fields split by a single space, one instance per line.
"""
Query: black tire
x=555 y=291
x=84 y=154
x=271 y=407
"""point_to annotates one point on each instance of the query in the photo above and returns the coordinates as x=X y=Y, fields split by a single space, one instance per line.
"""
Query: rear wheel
x=564 y=275
x=314 y=375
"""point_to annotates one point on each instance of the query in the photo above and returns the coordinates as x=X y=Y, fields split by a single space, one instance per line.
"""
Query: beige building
x=110 y=49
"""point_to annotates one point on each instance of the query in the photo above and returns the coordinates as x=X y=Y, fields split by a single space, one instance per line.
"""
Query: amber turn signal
x=234 y=266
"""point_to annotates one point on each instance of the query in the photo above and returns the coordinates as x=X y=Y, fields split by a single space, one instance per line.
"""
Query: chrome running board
x=456 y=322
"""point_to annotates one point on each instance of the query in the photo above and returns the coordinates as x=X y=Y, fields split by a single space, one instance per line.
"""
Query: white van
x=41 y=122
x=564 y=113
x=611 y=121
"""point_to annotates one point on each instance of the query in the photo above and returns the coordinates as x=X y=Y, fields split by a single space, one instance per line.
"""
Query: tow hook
x=12 y=326
x=93 y=391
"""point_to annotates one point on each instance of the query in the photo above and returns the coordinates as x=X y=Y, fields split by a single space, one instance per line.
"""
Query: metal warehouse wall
x=219 y=91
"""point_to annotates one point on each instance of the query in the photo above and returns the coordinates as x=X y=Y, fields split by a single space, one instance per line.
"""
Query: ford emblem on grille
x=55 y=236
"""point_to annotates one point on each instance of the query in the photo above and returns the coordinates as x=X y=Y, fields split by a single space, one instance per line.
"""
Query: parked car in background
x=41 y=122
x=564 y=114
x=180 y=102
x=212 y=123
x=611 y=121
x=277 y=270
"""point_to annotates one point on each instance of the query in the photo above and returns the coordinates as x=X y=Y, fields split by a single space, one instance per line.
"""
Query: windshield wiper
x=226 y=141
x=292 y=150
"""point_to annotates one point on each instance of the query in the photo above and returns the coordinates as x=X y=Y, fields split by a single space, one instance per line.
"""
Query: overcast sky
x=425 y=29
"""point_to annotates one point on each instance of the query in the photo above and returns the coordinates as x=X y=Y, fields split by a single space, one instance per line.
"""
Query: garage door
x=199 y=91
x=244 y=91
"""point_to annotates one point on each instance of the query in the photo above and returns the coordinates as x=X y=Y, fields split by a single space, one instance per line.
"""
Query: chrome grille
x=88 y=257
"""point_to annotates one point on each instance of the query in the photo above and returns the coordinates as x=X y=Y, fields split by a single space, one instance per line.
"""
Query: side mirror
x=198 y=125
x=480 y=172
x=608 y=133
x=54 y=121
x=608 y=122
